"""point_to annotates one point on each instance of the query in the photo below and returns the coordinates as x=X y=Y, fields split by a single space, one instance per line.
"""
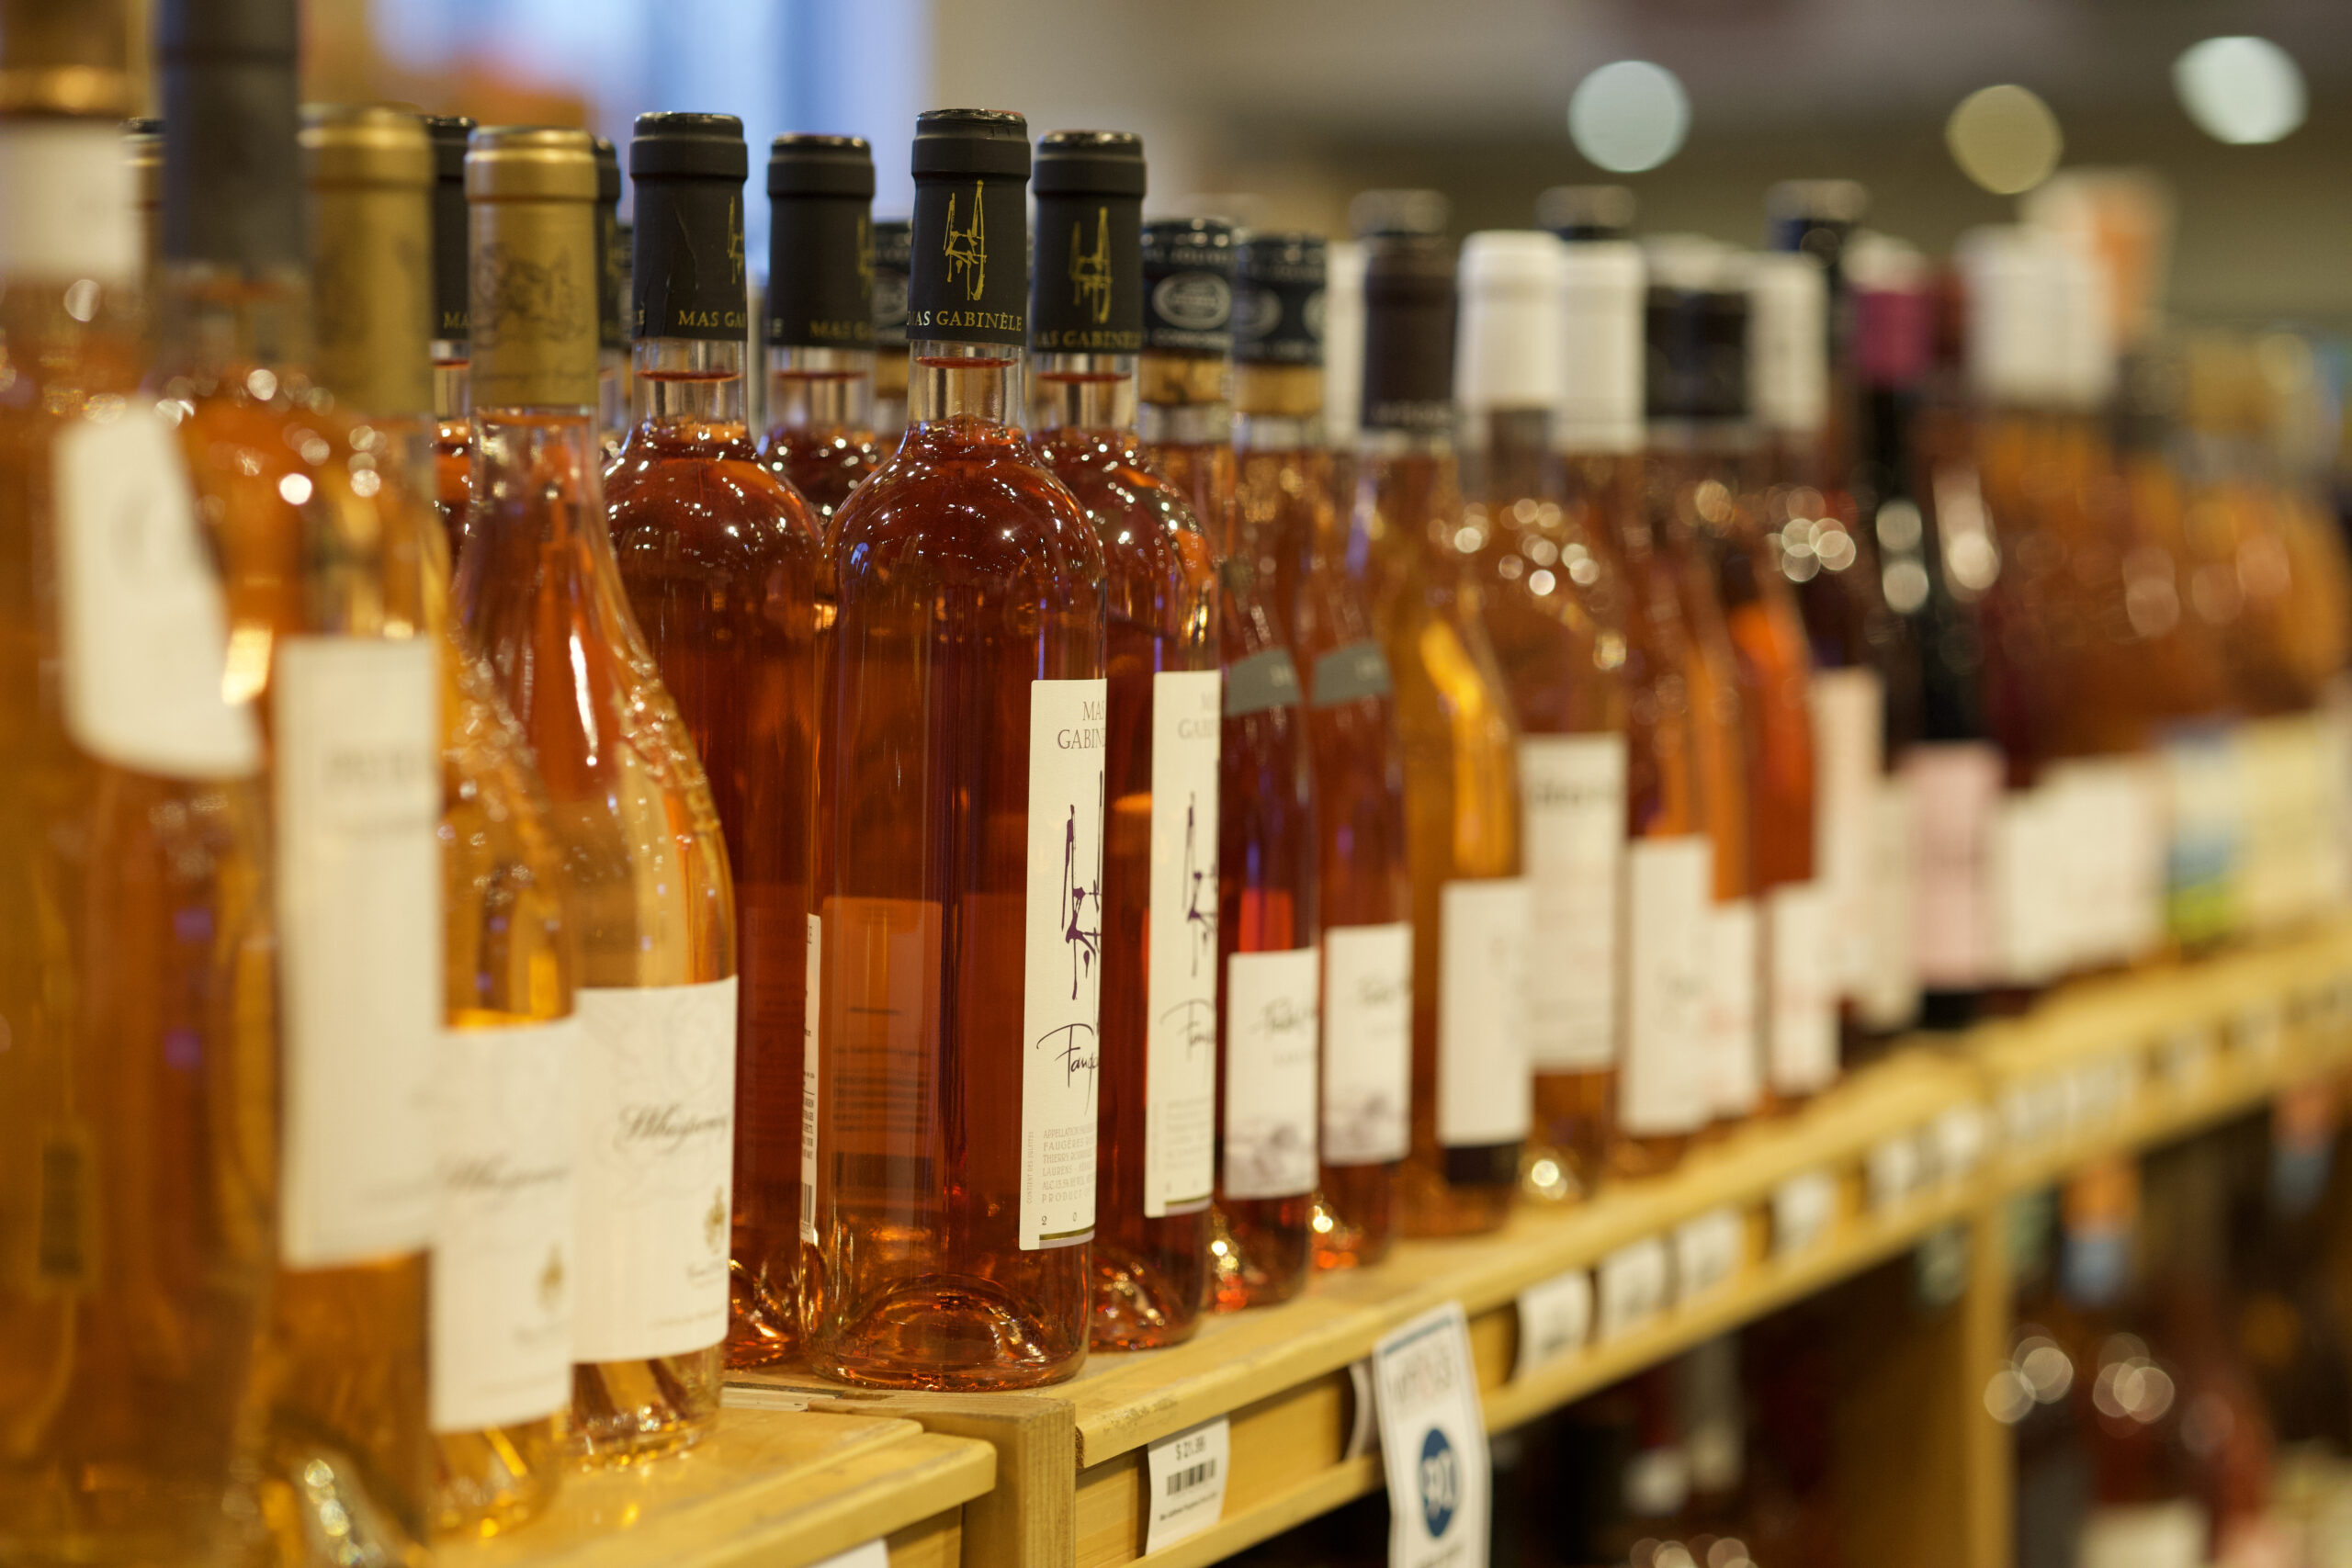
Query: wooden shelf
x=775 y=1488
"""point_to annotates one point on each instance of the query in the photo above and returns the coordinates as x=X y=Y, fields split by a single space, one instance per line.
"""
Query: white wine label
x=1367 y=1043
x=1484 y=1092
x=1180 y=1093
x=1849 y=745
x=1573 y=787
x=1062 y=979
x=502 y=1263
x=1270 y=1047
x=1735 y=1014
x=1434 y=1442
x=144 y=627
x=809 y=1081
x=1888 y=997
x=68 y=207
x=2035 y=883
x=1800 y=1009
x=1955 y=793
x=2204 y=847
x=1665 y=1082
x=359 y=933
x=657 y=1145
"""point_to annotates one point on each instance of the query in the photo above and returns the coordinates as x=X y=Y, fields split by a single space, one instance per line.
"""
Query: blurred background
x=1276 y=112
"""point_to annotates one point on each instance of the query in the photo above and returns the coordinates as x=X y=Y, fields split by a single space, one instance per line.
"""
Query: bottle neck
x=1184 y=401
x=962 y=383
x=680 y=381
x=1509 y=453
x=820 y=388
x=536 y=484
x=1082 y=391
x=1278 y=408
x=219 y=322
x=453 y=394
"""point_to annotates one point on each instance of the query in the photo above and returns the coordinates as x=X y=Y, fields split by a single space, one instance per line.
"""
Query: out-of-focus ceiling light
x=2004 y=139
x=1629 y=116
x=2242 y=91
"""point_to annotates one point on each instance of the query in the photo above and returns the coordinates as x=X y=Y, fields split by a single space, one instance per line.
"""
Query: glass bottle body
x=1151 y=1270
x=136 y=1098
x=720 y=560
x=651 y=907
x=1290 y=520
x=1554 y=610
x=821 y=435
x=970 y=598
x=1460 y=742
x=453 y=436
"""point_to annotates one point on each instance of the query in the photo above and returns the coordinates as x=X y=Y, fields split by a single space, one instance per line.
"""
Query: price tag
x=1186 y=1474
x=1432 y=1443
x=1890 y=1171
x=872 y=1554
x=2096 y=1092
x=1802 y=1207
x=1960 y=1137
x=1633 y=1287
x=2186 y=1056
x=2259 y=1030
x=1554 y=1318
x=1706 y=1252
x=753 y=1398
x=1363 y=1430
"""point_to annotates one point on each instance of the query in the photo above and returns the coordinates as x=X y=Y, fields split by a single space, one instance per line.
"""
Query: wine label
x=1180 y=1093
x=503 y=1264
x=1573 y=793
x=823 y=271
x=1350 y=671
x=2285 y=873
x=1849 y=746
x=657 y=1143
x=1888 y=997
x=1086 y=286
x=1188 y=285
x=1955 y=794
x=1483 y=1086
x=145 y=629
x=68 y=208
x=1270 y=1088
x=1062 y=978
x=1801 y=1005
x=1278 y=300
x=893 y=255
x=967 y=278
x=2201 y=851
x=687 y=275
x=1665 y=1083
x=808 y=1080
x=1262 y=680
x=359 y=932
x=1733 y=1020
x=2035 y=875
x=1367 y=1043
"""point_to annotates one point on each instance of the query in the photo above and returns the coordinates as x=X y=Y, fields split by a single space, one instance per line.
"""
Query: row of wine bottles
x=919 y=913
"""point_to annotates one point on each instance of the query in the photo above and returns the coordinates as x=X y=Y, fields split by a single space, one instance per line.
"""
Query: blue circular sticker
x=1440 y=1483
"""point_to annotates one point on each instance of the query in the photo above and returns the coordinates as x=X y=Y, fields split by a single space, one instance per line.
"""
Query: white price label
x=1186 y=1474
x=1554 y=1318
x=872 y=1554
x=1890 y=1171
x=1802 y=1207
x=2261 y=1029
x=1633 y=1287
x=1706 y=1252
x=2096 y=1091
x=1961 y=1138
x=1432 y=1443
x=1363 y=1426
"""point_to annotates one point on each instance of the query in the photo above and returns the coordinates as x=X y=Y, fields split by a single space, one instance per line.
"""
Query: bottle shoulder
x=965 y=509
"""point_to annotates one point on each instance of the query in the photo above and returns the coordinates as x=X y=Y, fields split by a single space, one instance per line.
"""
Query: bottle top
x=142 y=147
x=608 y=173
x=1894 y=315
x=1814 y=216
x=1602 y=291
x=2017 y=346
x=821 y=244
x=1086 y=289
x=370 y=171
x=1694 y=335
x=612 y=250
x=1506 y=350
x=1377 y=214
x=805 y=164
x=1279 y=300
x=1581 y=214
x=1408 y=335
x=968 y=281
x=1343 y=264
x=232 y=178
x=2086 y=296
x=1088 y=162
x=450 y=132
x=687 y=259
x=64 y=59
x=535 y=271
x=1188 y=266
x=1787 y=341
x=893 y=247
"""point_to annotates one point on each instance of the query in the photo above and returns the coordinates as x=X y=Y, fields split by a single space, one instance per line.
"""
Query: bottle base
x=1340 y=1244
x=959 y=1334
x=1253 y=1266
x=1432 y=1204
x=625 y=1413
x=491 y=1482
x=1139 y=1307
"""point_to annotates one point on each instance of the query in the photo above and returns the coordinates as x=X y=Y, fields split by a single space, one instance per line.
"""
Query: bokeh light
x=2004 y=139
x=1629 y=116
x=2244 y=91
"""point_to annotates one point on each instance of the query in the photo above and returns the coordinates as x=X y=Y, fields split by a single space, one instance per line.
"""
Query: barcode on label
x=1185 y=1475
x=1191 y=1476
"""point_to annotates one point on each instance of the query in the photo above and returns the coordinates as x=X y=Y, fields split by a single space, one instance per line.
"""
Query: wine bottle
x=652 y=909
x=1293 y=524
x=613 y=241
x=820 y=319
x=1156 y=1167
x=452 y=398
x=959 y=843
x=892 y=239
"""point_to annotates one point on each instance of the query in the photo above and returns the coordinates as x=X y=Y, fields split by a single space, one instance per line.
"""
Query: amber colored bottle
x=1156 y=1163
x=721 y=559
x=1268 y=982
x=1463 y=845
x=613 y=303
x=1661 y=1090
x=504 y=1068
x=959 y=843
x=820 y=319
x=1554 y=609
x=891 y=243
x=1291 y=526
x=138 y=1091
x=453 y=456
x=652 y=909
